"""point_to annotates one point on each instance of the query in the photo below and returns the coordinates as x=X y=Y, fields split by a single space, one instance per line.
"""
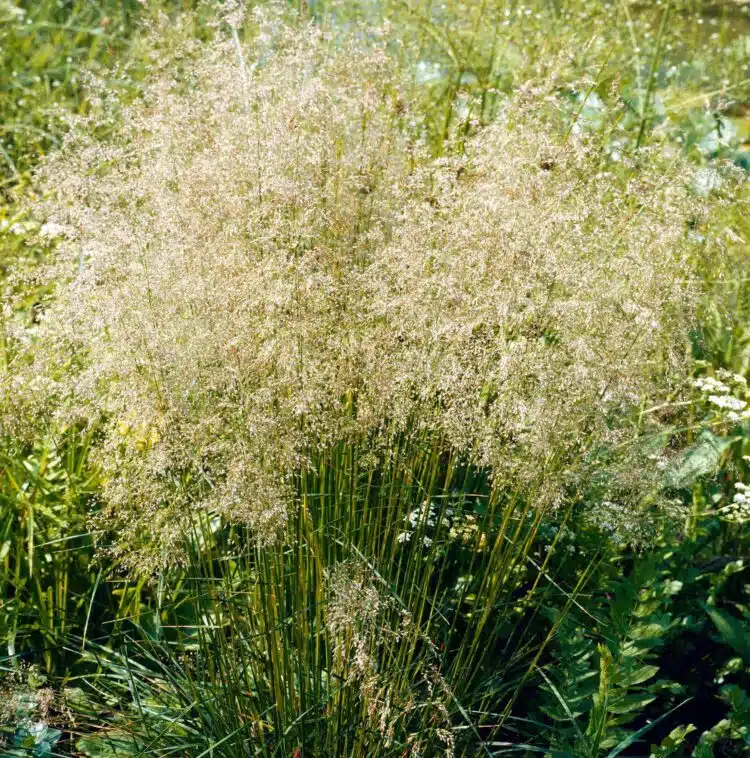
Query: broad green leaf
x=646 y=631
x=732 y=631
x=637 y=677
x=672 y=741
x=629 y=703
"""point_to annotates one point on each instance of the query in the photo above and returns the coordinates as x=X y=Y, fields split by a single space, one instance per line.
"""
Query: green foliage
x=45 y=48
x=46 y=575
x=413 y=606
x=339 y=640
x=653 y=664
x=667 y=656
x=602 y=686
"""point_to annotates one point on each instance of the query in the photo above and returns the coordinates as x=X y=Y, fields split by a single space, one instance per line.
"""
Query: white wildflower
x=738 y=511
x=728 y=402
x=709 y=384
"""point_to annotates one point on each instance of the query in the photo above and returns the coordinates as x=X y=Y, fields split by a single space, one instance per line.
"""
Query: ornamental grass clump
x=261 y=260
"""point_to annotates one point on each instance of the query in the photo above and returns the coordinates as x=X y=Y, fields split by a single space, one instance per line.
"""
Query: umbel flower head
x=262 y=260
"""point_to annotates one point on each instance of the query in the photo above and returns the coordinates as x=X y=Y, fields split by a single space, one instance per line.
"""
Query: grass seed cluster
x=262 y=259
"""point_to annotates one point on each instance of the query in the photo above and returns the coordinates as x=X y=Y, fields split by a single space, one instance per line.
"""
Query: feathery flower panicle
x=365 y=625
x=263 y=261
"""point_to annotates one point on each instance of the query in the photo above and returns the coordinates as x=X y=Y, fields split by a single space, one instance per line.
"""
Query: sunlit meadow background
x=374 y=378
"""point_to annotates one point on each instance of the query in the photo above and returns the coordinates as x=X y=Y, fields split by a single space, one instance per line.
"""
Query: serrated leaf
x=629 y=703
x=643 y=610
x=646 y=631
x=637 y=677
